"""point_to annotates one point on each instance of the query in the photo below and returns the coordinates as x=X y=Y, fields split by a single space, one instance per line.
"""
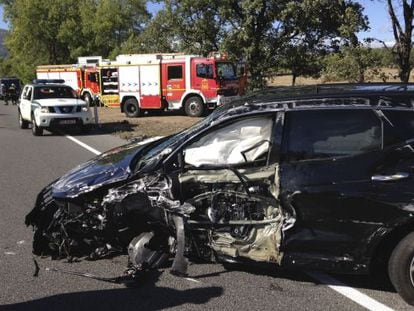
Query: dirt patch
x=114 y=122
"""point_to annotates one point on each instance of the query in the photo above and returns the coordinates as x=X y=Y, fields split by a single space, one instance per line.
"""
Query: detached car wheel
x=194 y=106
x=401 y=268
x=131 y=108
x=36 y=130
x=22 y=123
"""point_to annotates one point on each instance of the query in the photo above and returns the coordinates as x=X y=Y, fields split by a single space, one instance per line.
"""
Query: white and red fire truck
x=149 y=82
x=175 y=81
x=83 y=77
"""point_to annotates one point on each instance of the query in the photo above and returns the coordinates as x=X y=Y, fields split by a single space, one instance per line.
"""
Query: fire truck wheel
x=131 y=108
x=194 y=106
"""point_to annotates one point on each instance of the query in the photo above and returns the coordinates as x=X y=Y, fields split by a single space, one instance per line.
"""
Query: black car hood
x=108 y=168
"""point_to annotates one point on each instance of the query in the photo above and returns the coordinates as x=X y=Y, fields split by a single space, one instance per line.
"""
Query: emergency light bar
x=48 y=81
x=218 y=55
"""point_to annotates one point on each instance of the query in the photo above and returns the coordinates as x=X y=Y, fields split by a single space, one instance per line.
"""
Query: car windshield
x=159 y=151
x=44 y=92
x=225 y=70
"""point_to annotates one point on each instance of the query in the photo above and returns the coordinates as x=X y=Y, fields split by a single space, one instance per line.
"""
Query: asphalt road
x=29 y=163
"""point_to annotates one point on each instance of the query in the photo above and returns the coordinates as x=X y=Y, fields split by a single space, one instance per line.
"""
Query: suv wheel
x=36 y=130
x=22 y=123
x=131 y=108
x=86 y=128
x=401 y=268
x=194 y=106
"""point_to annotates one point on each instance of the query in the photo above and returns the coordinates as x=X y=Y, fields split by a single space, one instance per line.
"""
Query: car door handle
x=396 y=176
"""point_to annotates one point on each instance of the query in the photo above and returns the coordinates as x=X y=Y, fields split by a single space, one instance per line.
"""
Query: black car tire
x=131 y=108
x=23 y=123
x=401 y=268
x=194 y=106
x=36 y=130
x=86 y=129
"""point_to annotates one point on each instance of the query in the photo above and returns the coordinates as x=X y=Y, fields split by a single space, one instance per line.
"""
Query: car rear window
x=331 y=133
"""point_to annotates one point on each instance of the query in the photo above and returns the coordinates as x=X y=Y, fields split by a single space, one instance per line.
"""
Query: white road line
x=349 y=292
x=93 y=150
x=193 y=280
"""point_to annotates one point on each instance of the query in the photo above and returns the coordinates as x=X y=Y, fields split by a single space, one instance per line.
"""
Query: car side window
x=243 y=141
x=27 y=93
x=331 y=133
x=399 y=126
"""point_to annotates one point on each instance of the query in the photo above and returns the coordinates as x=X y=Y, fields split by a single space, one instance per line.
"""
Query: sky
x=379 y=21
x=375 y=10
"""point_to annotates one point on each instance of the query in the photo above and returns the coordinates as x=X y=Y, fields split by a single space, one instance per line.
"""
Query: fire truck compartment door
x=150 y=80
x=150 y=86
x=129 y=78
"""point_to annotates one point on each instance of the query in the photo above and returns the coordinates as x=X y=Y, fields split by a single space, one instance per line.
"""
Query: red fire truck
x=83 y=77
x=149 y=82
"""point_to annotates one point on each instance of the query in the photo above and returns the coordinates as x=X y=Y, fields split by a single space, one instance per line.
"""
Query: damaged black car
x=314 y=177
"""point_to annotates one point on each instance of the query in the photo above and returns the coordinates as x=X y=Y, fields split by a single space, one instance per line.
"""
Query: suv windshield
x=44 y=92
x=159 y=151
x=225 y=70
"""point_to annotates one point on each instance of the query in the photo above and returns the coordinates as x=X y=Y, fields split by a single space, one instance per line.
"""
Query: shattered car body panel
x=108 y=168
x=264 y=179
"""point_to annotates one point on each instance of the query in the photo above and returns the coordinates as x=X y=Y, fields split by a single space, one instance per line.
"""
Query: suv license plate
x=67 y=122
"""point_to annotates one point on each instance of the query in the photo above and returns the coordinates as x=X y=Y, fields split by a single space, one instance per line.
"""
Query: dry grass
x=115 y=122
x=285 y=80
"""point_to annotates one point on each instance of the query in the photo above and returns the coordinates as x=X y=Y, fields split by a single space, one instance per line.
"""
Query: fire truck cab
x=149 y=82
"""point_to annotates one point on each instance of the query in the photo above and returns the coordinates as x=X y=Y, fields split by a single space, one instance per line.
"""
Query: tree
x=34 y=35
x=353 y=64
x=114 y=22
x=402 y=30
x=286 y=32
x=260 y=31
x=300 y=60
x=157 y=37
x=58 y=31
x=264 y=33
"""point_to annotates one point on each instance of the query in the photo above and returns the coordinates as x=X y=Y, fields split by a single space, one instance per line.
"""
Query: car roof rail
x=281 y=92
x=48 y=81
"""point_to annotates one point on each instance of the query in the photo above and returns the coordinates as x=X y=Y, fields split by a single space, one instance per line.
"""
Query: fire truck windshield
x=226 y=71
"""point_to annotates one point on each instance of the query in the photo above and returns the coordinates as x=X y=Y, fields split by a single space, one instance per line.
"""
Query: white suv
x=48 y=104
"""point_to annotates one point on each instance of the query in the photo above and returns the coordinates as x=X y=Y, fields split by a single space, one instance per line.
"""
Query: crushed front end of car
x=125 y=202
